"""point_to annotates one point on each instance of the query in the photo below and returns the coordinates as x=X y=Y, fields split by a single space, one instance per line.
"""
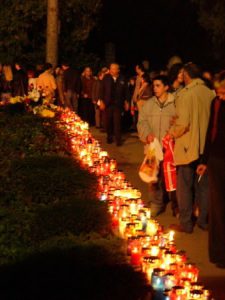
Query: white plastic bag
x=149 y=169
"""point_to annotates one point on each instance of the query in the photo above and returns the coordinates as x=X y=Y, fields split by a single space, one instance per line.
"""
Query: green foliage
x=50 y=179
x=44 y=193
x=23 y=28
x=212 y=19
x=56 y=240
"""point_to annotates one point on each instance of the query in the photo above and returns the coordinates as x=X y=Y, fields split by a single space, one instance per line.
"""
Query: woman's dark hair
x=221 y=76
x=141 y=67
x=146 y=77
x=164 y=79
x=173 y=72
x=47 y=66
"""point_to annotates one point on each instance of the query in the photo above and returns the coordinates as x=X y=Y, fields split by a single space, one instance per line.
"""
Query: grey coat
x=155 y=118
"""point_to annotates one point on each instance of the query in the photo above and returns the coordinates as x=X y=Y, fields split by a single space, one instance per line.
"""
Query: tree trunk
x=52 y=32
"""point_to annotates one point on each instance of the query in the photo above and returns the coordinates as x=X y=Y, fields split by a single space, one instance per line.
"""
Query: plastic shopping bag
x=149 y=169
x=169 y=167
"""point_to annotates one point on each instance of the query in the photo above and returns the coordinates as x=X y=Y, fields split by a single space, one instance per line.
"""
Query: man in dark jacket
x=71 y=86
x=115 y=97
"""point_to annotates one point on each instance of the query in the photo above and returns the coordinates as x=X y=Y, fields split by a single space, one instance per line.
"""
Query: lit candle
x=196 y=294
x=132 y=242
x=171 y=236
x=154 y=251
x=170 y=281
x=152 y=227
x=136 y=256
x=122 y=225
x=178 y=293
x=149 y=264
x=133 y=207
x=158 y=280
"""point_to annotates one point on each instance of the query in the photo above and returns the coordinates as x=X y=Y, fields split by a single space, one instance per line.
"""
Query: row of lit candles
x=150 y=249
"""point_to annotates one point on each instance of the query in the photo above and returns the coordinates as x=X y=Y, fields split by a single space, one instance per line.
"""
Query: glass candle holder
x=132 y=241
x=136 y=257
x=170 y=280
x=151 y=263
x=152 y=227
x=178 y=293
x=158 y=279
x=196 y=294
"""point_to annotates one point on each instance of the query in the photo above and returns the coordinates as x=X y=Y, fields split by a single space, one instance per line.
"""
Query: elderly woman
x=214 y=162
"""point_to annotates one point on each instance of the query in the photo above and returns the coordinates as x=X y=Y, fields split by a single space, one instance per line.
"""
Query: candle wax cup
x=135 y=257
x=115 y=220
x=154 y=251
x=170 y=281
x=178 y=293
x=158 y=280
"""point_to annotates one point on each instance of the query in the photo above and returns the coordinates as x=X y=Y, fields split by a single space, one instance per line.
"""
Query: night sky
x=153 y=30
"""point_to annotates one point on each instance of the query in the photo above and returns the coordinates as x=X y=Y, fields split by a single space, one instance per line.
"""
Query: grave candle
x=136 y=256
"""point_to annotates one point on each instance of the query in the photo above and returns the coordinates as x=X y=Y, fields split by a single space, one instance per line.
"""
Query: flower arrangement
x=36 y=102
x=34 y=95
x=45 y=110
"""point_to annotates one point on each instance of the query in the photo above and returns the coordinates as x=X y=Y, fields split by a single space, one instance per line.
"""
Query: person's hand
x=101 y=105
x=168 y=136
x=150 y=138
x=126 y=105
x=173 y=120
x=201 y=169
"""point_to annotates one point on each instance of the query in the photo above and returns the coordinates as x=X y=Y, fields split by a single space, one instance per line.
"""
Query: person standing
x=46 y=82
x=154 y=121
x=71 y=86
x=20 y=81
x=115 y=96
x=140 y=71
x=189 y=130
x=145 y=91
x=96 y=97
x=6 y=82
x=176 y=78
x=87 y=105
x=213 y=161
x=59 y=83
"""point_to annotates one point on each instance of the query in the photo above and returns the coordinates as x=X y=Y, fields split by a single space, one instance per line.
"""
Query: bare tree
x=52 y=32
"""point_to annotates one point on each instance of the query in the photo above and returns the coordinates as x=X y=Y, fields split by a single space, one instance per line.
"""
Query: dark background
x=152 y=29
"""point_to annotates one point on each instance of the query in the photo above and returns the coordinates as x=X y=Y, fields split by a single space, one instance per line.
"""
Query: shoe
x=203 y=227
x=118 y=144
x=156 y=213
x=180 y=228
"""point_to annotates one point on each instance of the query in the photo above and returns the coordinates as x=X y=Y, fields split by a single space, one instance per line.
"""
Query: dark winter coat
x=71 y=81
x=115 y=92
x=19 y=83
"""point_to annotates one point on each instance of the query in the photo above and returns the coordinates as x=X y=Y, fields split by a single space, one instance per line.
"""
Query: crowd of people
x=181 y=104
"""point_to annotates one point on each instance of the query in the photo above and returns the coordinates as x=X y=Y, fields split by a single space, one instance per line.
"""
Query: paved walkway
x=129 y=157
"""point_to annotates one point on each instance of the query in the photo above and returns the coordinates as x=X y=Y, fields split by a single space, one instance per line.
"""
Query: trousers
x=189 y=190
x=113 y=123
